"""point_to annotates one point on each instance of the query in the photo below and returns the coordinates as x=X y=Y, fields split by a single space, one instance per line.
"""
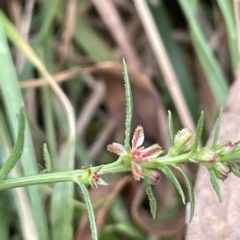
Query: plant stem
x=65 y=176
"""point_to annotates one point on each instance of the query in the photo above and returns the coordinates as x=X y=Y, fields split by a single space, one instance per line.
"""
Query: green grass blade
x=129 y=107
x=190 y=192
x=169 y=174
x=198 y=134
x=13 y=102
x=4 y=216
x=232 y=157
x=17 y=150
x=89 y=206
x=174 y=51
x=61 y=201
x=47 y=158
x=215 y=183
x=170 y=128
x=217 y=129
x=215 y=77
x=235 y=171
x=226 y=7
x=151 y=198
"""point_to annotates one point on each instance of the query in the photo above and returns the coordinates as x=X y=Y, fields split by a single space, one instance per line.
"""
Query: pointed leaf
x=231 y=157
x=217 y=129
x=198 y=133
x=151 y=198
x=17 y=149
x=215 y=183
x=89 y=206
x=235 y=171
x=169 y=174
x=190 y=192
x=170 y=128
x=129 y=107
x=47 y=158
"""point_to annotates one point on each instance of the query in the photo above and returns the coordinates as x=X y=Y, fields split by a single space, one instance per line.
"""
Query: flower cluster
x=138 y=155
x=222 y=158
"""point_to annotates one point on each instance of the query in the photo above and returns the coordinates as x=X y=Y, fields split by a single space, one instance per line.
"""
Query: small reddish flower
x=224 y=148
x=138 y=154
x=91 y=177
x=97 y=180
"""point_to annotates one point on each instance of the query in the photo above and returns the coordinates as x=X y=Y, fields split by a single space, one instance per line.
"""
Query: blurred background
x=182 y=56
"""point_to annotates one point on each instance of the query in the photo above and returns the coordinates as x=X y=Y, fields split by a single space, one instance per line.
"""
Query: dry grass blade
x=68 y=32
x=24 y=30
x=90 y=106
x=164 y=62
x=112 y=20
x=102 y=138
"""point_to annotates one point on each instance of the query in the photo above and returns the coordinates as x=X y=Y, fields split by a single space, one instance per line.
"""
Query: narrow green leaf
x=198 y=133
x=215 y=183
x=5 y=215
x=169 y=174
x=190 y=192
x=235 y=171
x=226 y=7
x=90 y=210
x=12 y=99
x=122 y=229
x=151 y=198
x=17 y=149
x=217 y=129
x=129 y=107
x=47 y=158
x=215 y=76
x=231 y=157
x=170 y=128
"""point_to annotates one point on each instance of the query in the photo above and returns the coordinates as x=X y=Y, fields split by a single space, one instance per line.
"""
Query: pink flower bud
x=224 y=148
x=183 y=142
x=205 y=156
x=221 y=170
x=152 y=176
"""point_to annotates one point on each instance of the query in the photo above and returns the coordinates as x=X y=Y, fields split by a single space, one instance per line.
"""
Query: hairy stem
x=65 y=176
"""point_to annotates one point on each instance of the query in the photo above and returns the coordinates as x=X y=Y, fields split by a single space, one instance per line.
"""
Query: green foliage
x=151 y=198
x=217 y=129
x=215 y=183
x=198 y=133
x=94 y=46
x=17 y=150
x=170 y=128
x=47 y=159
x=129 y=107
x=90 y=210
x=190 y=192
x=169 y=174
